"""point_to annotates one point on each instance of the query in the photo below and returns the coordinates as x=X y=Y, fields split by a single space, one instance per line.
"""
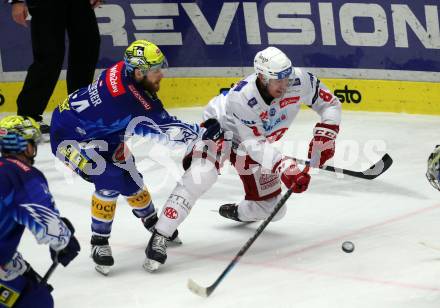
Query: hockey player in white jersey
x=257 y=111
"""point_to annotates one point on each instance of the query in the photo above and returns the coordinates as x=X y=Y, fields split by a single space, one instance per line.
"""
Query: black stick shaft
x=369 y=174
x=248 y=244
x=49 y=272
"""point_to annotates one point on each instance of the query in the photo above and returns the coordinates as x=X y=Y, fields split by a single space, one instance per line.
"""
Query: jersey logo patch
x=113 y=80
x=252 y=102
x=139 y=97
x=171 y=213
x=289 y=100
x=264 y=116
x=272 y=112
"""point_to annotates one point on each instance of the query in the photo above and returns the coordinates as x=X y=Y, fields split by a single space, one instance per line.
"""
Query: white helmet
x=272 y=63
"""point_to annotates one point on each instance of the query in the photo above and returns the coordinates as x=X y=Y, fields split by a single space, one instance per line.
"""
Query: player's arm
x=40 y=215
x=160 y=125
x=13 y=265
x=328 y=107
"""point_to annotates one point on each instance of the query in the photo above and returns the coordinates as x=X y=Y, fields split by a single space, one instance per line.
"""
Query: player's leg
x=201 y=174
x=133 y=188
x=103 y=213
x=97 y=167
x=262 y=191
x=249 y=210
x=144 y=209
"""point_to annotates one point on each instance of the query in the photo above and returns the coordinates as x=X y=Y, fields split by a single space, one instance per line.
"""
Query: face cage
x=433 y=181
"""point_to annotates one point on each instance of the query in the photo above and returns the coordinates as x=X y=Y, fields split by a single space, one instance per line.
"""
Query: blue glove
x=69 y=252
x=213 y=130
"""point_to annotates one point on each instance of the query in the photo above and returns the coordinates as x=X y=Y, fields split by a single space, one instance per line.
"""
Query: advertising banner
x=374 y=40
x=374 y=34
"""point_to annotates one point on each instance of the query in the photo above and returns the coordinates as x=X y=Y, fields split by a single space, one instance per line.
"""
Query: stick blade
x=378 y=168
x=197 y=289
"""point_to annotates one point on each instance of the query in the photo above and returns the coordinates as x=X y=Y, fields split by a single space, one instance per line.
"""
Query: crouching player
x=25 y=202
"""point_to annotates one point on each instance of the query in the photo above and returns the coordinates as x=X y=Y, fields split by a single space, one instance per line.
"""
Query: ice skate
x=150 y=222
x=229 y=211
x=101 y=254
x=45 y=132
x=156 y=252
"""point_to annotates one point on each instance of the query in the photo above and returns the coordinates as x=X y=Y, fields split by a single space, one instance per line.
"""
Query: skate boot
x=156 y=252
x=101 y=254
x=229 y=211
x=150 y=222
x=45 y=131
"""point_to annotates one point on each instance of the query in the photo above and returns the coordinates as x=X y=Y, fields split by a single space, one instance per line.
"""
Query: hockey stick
x=371 y=173
x=50 y=271
x=205 y=292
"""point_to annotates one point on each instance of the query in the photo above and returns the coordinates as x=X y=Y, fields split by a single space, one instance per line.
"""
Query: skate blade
x=176 y=242
x=151 y=265
x=102 y=269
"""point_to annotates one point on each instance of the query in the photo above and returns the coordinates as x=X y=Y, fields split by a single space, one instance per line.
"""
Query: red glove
x=323 y=142
x=291 y=176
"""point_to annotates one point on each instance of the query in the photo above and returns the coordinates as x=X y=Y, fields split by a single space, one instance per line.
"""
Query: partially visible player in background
x=258 y=110
x=26 y=202
x=433 y=172
x=89 y=130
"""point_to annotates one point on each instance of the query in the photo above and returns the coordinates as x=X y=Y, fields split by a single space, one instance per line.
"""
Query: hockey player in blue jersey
x=89 y=130
x=25 y=202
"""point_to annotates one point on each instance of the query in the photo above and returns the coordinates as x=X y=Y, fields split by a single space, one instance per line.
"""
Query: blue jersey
x=115 y=106
x=25 y=201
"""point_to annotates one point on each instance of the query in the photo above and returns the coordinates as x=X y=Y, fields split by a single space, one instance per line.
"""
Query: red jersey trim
x=19 y=164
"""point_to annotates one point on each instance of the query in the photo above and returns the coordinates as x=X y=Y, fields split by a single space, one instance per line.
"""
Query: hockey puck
x=348 y=247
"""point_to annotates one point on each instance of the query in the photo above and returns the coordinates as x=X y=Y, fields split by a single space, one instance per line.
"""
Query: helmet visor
x=284 y=74
x=162 y=65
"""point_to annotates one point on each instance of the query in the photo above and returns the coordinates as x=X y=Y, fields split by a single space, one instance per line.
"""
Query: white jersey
x=255 y=124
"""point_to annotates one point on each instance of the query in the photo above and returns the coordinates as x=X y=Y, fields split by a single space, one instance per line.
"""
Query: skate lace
x=102 y=251
x=159 y=244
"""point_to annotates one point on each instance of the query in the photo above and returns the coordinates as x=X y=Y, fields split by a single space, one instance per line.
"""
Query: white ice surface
x=296 y=262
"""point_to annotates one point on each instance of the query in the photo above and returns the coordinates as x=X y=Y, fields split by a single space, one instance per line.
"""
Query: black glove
x=69 y=252
x=213 y=131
